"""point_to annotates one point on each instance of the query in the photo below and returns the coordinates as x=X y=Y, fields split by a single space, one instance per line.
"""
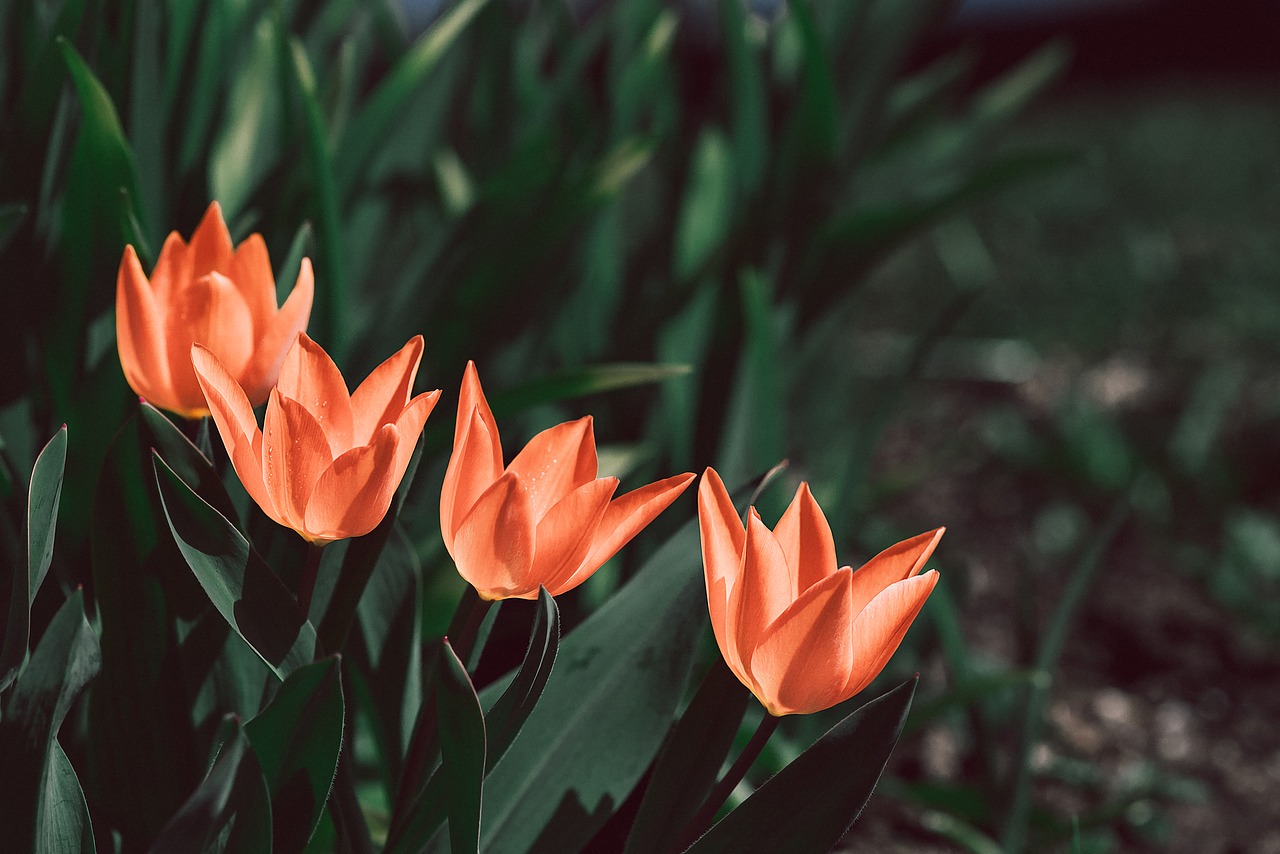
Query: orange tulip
x=801 y=634
x=205 y=293
x=546 y=519
x=326 y=463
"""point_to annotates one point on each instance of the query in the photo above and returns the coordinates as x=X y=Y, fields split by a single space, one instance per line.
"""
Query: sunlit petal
x=555 y=462
x=494 y=545
x=352 y=495
x=806 y=540
x=806 y=655
x=310 y=377
x=383 y=395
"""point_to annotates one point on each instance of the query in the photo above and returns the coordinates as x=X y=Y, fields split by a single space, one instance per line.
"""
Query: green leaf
x=809 y=805
x=247 y=146
x=604 y=711
x=578 y=382
x=503 y=722
x=462 y=751
x=64 y=661
x=42 y=516
x=690 y=761
x=252 y=599
x=383 y=109
x=508 y=714
x=331 y=272
x=387 y=649
x=749 y=134
x=233 y=790
x=297 y=739
x=185 y=459
x=63 y=824
x=707 y=211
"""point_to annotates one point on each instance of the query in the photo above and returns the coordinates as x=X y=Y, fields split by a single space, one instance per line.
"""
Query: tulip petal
x=310 y=377
x=806 y=540
x=556 y=462
x=410 y=425
x=763 y=589
x=471 y=397
x=172 y=270
x=802 y=662
x=279 y=336
x=250 y=269
x=210 y=244
x=295 y=452
x=565 y=535
x=722 y=540
x=236 y=424
x=476 y=462
x=139 y=333
x=880 y=627
x=352 y=495
x=384 y=393
x=899 y=561
x=208 y=311
x=626 y=516
x=494 y=545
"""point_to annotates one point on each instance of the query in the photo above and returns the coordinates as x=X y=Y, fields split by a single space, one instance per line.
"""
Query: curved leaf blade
x=42 y=516
x=809 y=805
x=252 y=599
x=65 y=659
x=569 y=768
x=233 y=788
x=462 y=751
x=297 y=739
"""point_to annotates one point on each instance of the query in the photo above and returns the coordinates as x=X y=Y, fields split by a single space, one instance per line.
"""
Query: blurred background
x=1009 y=267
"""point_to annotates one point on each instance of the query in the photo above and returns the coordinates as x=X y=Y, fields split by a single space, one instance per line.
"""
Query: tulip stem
x=310 y=569
x=701 y=820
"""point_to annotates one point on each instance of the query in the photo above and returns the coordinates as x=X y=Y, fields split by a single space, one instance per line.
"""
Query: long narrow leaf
x=241 y=586
x=462 y=751
x=807 y=806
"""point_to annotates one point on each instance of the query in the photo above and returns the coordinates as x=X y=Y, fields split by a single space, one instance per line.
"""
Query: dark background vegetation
x=1015 y=274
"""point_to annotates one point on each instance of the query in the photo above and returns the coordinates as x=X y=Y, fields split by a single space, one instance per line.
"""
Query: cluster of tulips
x=203 y=336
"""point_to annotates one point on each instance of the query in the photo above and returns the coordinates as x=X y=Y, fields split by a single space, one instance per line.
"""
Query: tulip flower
x=205 y=293
x=326 y=463
x=546 y=519
x=801 y=634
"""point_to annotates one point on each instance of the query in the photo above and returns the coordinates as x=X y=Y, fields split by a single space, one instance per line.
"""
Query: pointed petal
x=722 y=540
x=310 y=377
x=236 y=425
x=471 y=398
x=250 y=269
x=384 y=393
x=353 y=494
x=210 y=244
x=295 y=453
x=494 y=546
x=474 y=465
x=629 y=514
x=208 y=311
x=899 y=561
x=804 y=659
x=279 y=336
x=806 y=540
x=763 y=590
x=880 y=627
x=172 y=270
x=410 y=425
x=565 y=534
x=555 y=462
x=140 y=334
